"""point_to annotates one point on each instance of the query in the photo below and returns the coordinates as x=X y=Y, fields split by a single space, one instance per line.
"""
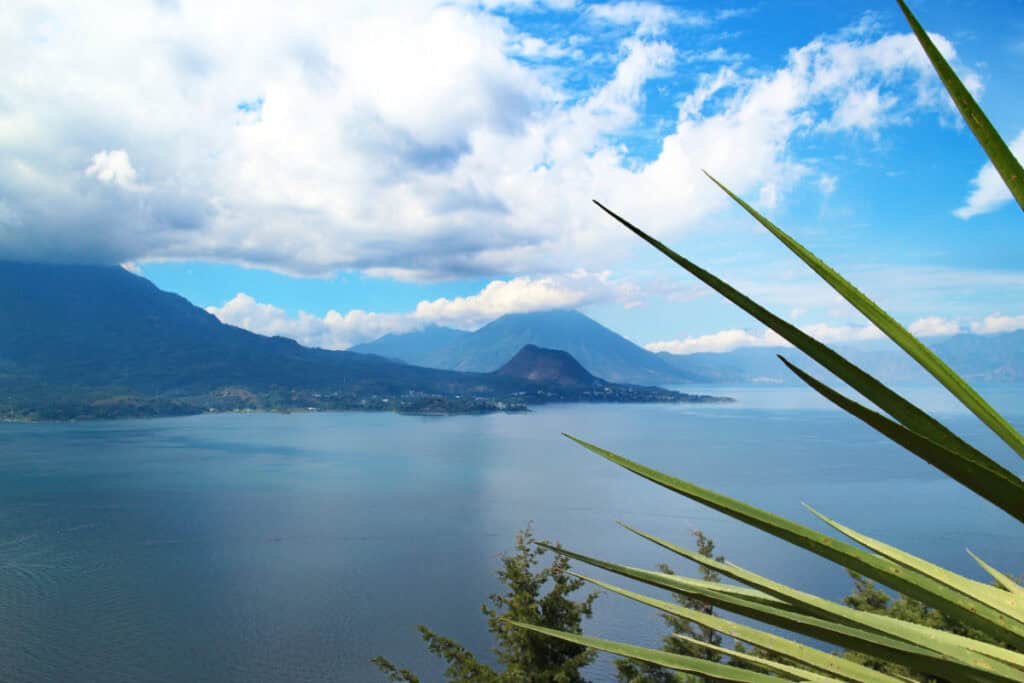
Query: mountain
x=91 y=341
x=978 y=358
x=547 y=365
x=602 y=352
x=415 y=348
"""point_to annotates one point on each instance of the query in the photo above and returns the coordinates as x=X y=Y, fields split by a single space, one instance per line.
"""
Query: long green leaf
x=805 y=654
x=1007 y=603
x=703 y=667
x=1005 y=581
x=878 y=568
x=793 y=617
x=785 y=671
x=924 y=356
x=979 y=473
x=996 y=149
x=902 y=410
x=721 y=594
x=830 y=610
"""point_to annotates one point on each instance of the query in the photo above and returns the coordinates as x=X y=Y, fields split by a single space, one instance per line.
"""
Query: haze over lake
x=267 y=547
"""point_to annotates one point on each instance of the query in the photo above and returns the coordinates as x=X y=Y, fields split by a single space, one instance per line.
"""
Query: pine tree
x=540 y=597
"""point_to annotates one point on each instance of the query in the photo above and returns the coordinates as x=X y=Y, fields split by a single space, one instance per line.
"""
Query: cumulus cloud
x=341 y=330
x=934 y=326
x=333 y=331
x=719 y=342
x=728 y=340
x=413 y=138
x=113 y=167
x=988 y=191
x=996 y=323
x=649 y=17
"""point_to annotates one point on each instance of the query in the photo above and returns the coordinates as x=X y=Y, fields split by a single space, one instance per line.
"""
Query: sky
x=338 y=171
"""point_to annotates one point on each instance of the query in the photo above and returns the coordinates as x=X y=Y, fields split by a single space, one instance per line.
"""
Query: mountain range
x=601 y=351
x=93 y=341
x=986 y=358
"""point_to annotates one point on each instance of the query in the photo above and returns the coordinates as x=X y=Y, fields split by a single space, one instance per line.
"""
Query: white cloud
x=341 y=330
x=728 y=340
x=520 y=295
x=333 y=331
x=719 y=342
x=934 y=326
x=113 y=167
x=838 y=334
x=409 y=137
x=988 y=191
x=650 y=18
x=997 y=323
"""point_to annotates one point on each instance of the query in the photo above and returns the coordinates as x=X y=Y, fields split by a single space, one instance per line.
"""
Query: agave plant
x=993 y=609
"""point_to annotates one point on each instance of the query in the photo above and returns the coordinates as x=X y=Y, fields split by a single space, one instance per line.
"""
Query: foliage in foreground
x=525 y=656
x=685 y=637
x=988 y=649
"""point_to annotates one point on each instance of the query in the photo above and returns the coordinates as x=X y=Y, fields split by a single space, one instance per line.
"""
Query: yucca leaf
x=1005 y=581
x=878 y=568
x=722 y=595
x=1007 y=603
x=703 y=667
x=982 y=664
x=996 y=149
x=785 y=671
x=793 y=618
x=902 y=410
x=924 y=356
x=971 y=468
x=805 y=654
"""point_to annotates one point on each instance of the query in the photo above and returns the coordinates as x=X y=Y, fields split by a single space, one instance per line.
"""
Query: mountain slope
x=547 y=365
x=99 y=326
x=91 y=341
x=601 y=351
x=415 y=348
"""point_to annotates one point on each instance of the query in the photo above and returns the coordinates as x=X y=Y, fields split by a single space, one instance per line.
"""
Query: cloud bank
x=729 y=340
x=341 y=330
x=409 y=138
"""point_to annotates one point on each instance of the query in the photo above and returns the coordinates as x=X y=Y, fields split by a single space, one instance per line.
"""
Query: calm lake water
x=263 y=547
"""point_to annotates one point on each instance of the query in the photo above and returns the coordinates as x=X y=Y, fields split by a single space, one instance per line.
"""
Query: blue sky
x=352 y=169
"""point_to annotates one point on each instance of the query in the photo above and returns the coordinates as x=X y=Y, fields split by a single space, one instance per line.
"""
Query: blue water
x=264 y=547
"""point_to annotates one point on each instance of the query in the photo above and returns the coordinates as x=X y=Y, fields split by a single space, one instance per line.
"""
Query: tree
x=526 y=657
x=632 y=671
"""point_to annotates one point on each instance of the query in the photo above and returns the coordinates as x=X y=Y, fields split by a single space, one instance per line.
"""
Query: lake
x=266 y=547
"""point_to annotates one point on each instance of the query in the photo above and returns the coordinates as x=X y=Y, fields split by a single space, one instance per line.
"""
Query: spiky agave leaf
x=906 y=581
x=924 y=356
x=695 y=665
x=1001 y=600
x=979 y=473
x=999 y=154
x=897 y=643
x=1005 y=581
x=817 y=661
x=902 y=410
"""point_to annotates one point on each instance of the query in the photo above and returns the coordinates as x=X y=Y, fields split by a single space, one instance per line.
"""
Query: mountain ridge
x=601 y=351
x=98 y=341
